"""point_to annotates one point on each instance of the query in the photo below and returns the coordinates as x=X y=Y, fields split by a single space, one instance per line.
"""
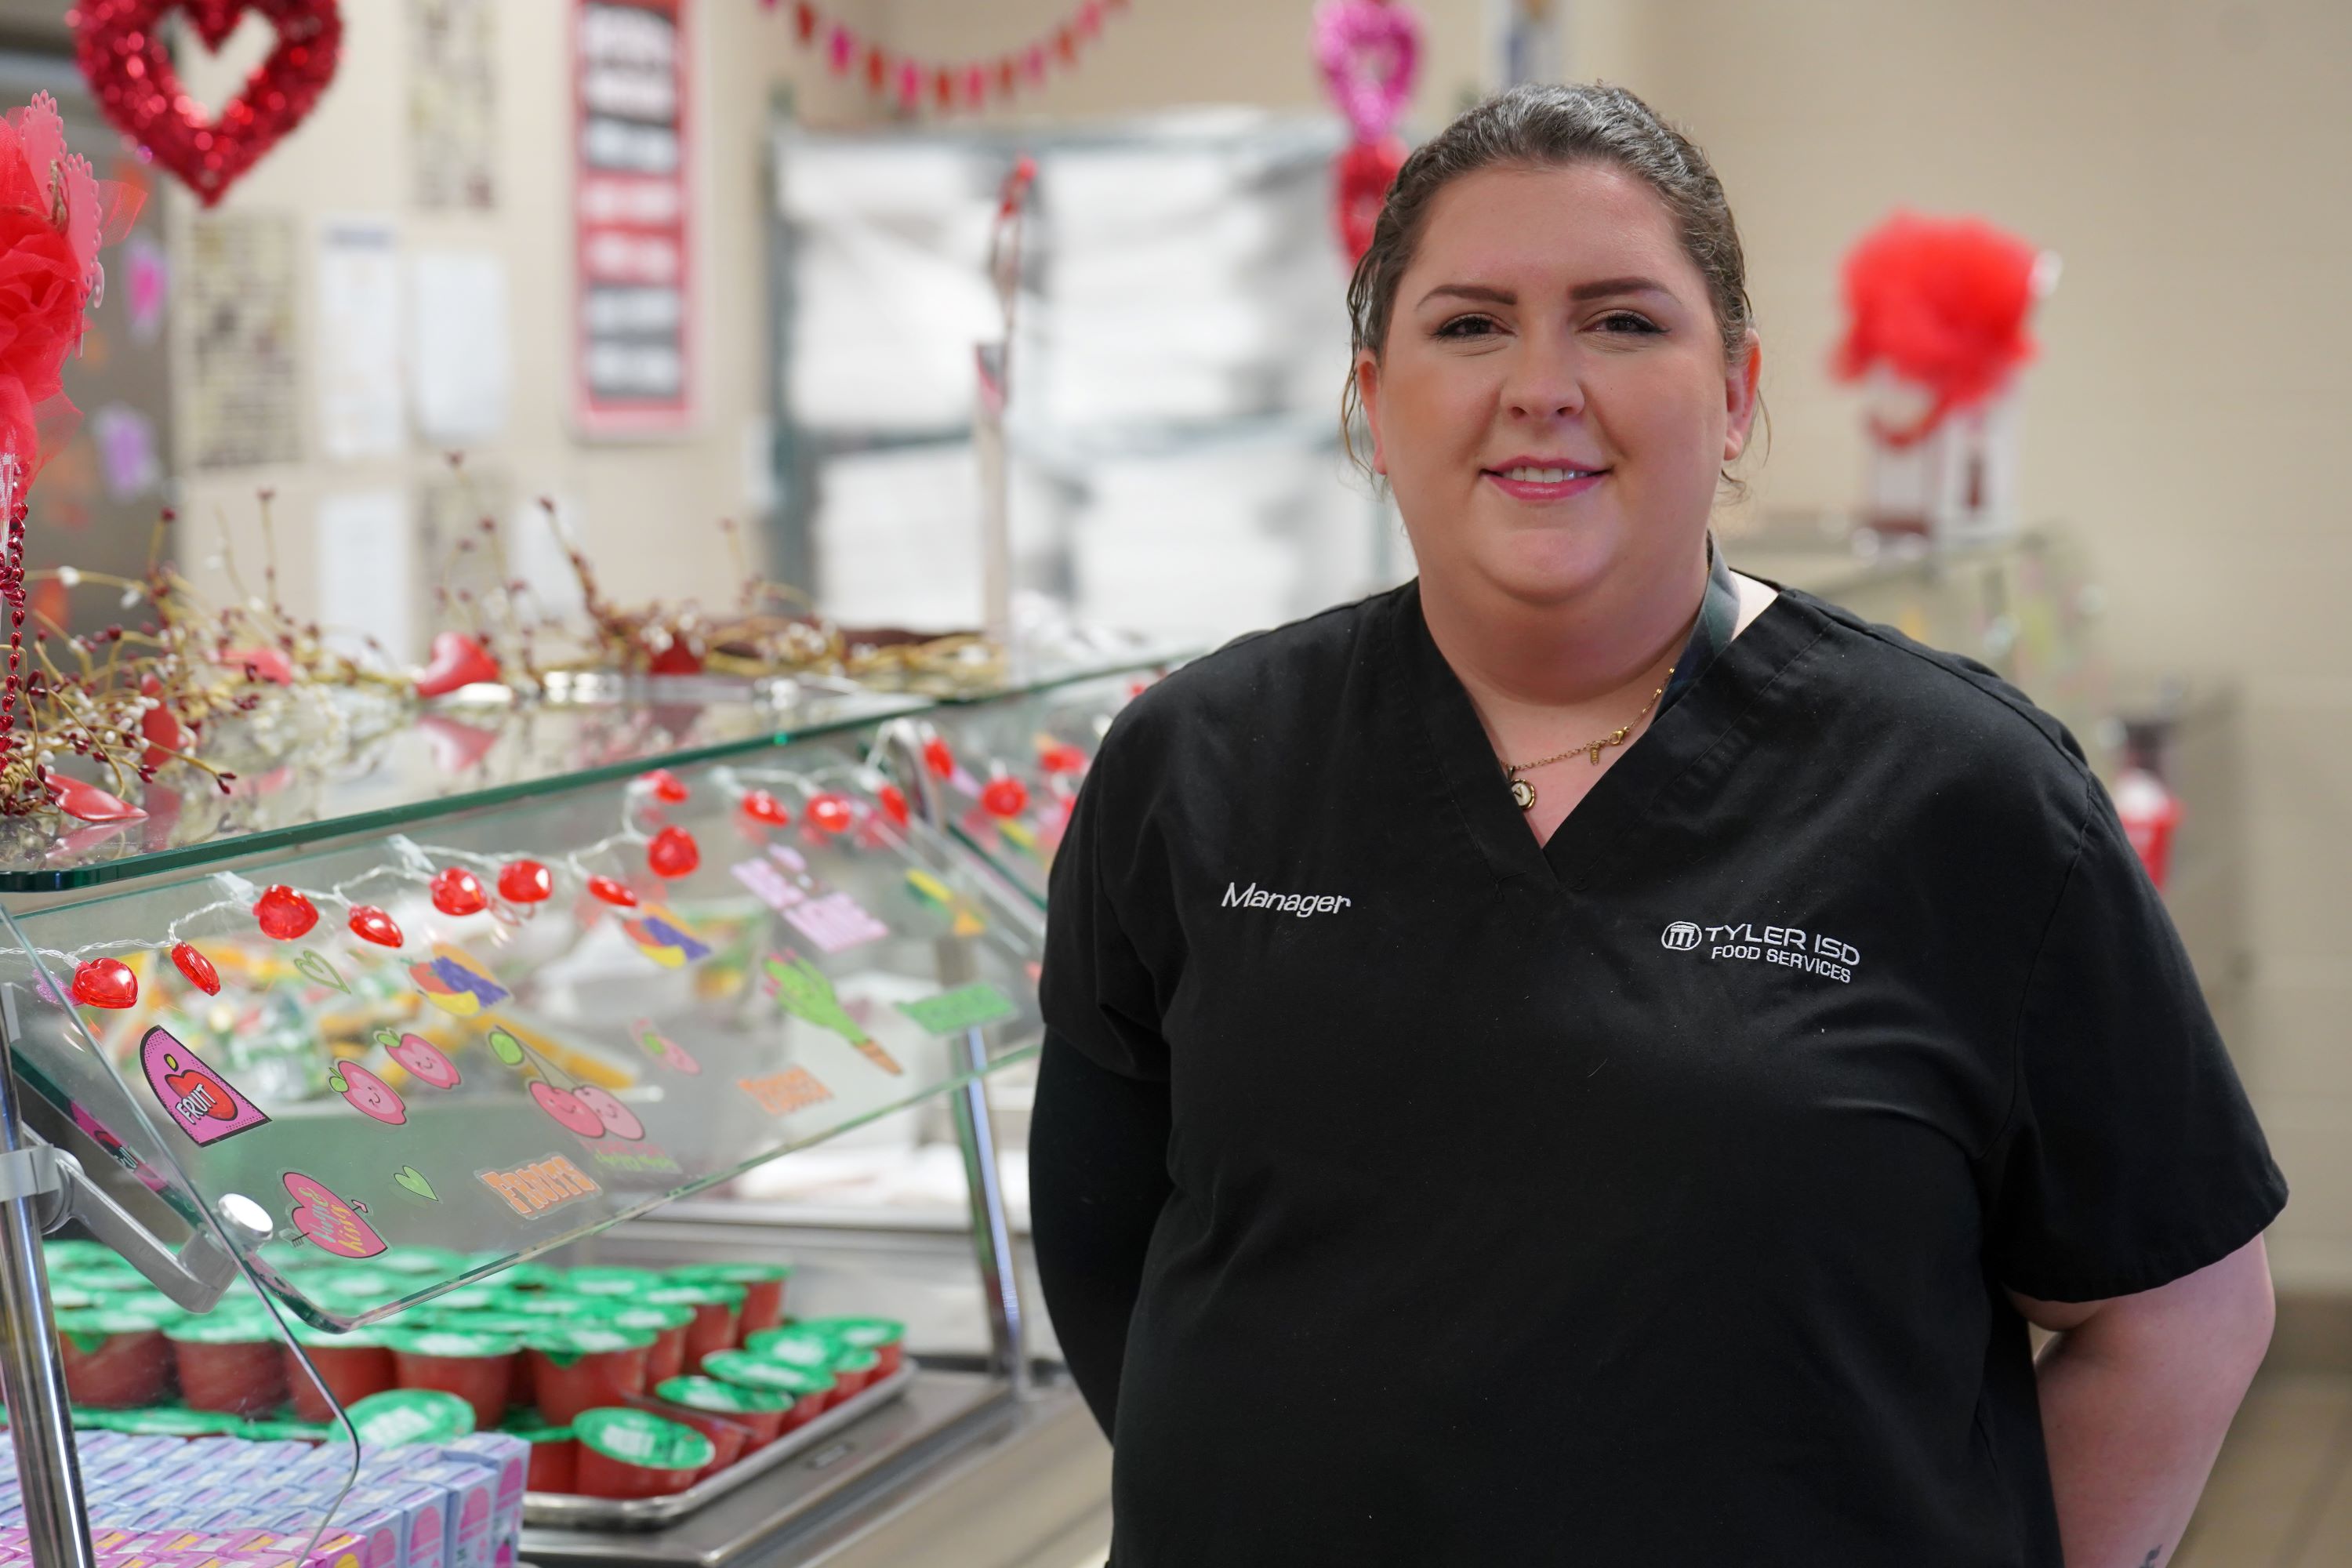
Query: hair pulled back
x=1542 y=126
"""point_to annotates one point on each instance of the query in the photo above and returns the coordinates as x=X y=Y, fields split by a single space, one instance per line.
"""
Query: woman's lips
x=1540 y=490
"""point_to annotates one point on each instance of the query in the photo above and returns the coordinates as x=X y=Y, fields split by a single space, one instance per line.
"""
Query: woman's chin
x=1550 y=566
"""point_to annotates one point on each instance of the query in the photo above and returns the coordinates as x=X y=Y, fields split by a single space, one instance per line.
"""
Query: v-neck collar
x=1711 y=725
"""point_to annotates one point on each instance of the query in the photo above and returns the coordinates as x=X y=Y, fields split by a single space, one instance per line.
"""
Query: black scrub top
x=1646 y=1196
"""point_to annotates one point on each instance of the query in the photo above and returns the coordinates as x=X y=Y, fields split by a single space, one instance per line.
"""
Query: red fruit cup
x=352 y=1365
x=885 y=1337
x=669 y=1325
x=717 y=1315
x=758 y=1411
x=229 y=1362
x=808 y=1350
x=578 y=1369
x=764 y=1288
x=812 y=1390
x=554 y=1454
x=478 y=1368
x=729 y=1441
x=635 y=1453
x=512 y=1325
x=113 y=1360
x=855 y=1372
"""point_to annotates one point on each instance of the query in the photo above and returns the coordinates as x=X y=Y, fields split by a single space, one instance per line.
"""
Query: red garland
x=967 y=85
x=1943 y=304
x=121 y=54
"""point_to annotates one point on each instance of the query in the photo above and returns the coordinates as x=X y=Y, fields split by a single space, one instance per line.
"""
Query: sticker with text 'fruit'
x=662 y=937
x=543 y=1184
x=330 y=1223
x=782 y=1093
x=835 y=923
x=965 y=1007
x=456 y=982
x=200 y=1101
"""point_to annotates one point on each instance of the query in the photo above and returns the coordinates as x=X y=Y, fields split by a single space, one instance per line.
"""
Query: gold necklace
x=1525 y=793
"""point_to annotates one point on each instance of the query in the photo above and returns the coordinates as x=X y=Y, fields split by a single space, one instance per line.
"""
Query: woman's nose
x=1544 y=385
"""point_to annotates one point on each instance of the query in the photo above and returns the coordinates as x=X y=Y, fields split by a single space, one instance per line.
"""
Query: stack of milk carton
x=229 y=1503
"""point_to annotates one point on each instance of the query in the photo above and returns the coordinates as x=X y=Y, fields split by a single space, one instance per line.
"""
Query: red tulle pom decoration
x=105 y=983
x=1941 y=303
x=122 y=52
x=54 y=217
x=197 y=968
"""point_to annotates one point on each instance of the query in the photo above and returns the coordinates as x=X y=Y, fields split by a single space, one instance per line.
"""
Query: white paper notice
x=359 y=403
x=458 y=349
x=367 y=573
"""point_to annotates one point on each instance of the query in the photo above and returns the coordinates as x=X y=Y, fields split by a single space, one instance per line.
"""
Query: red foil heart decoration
x=458 y=892
x=197 y=968
x=830 y=814
x=121 y=50
x=525 y=882
x=613 y=892
x=762 y=806
x=284 y=913
x=673 y=853
x=458 y=661
x=371 y=924
x=665 y=786
x=105 y=983
x=1005 y=797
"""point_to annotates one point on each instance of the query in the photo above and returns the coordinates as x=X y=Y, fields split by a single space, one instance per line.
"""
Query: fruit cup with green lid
x=718 y=1314
x=352 y=1365
x=554 y=1452
x=667 y=1323
x=626 y=1453
x=764 y=1288
x=478 y=1368
x=581 y=1366
x=763 y=1410
x=229 y=1361
x=113 y=1359
x=814 y=1390
x=885 y=1337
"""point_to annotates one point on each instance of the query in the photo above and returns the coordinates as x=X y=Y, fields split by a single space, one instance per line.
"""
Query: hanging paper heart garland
x=121 y=54
x=950 y=85
x=1370 y=53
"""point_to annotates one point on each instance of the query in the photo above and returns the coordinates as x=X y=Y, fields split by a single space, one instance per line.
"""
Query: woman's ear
x=1368 y=393
x=1739 y=382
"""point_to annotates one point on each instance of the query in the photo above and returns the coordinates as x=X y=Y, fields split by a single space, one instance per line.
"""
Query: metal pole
x=32 y=1377
x=991 y=1230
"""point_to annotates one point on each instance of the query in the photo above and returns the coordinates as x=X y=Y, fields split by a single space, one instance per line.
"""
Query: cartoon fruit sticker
x=458 y=892
x=505 y=1046
x=662 y=937
x=371 y=924
x=421 y=1057
x=284 y=913
x=197 y=968
x=314 y=966
x=664 y=1050
x=616 y=1118
x=566 y=1107
x=201 y=1103
x=525 y=882
x=806 y=994
x=331 y=1224
x=457 y=982
x=673 y=853
x=368 y=1094
x=414 y=1181
x=105 y=983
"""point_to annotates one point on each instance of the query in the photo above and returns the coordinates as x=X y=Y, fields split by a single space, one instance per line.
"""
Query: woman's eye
x=1626 y=321
x=1466 y=327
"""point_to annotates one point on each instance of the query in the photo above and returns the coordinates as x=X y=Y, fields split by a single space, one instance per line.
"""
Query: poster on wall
x=244 y=379
x=453 y=104
x=631 y=210
x=359 y=376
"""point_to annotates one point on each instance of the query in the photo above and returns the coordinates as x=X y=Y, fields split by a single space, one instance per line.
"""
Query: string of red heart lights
x=949 y=87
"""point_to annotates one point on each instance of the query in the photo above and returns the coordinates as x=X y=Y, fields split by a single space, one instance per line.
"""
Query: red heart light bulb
x=525 y=882
x=284 y=913
x=663 y=785
x=616 y=893
x=371 y=924
x=197 y=968
x=1003 y=796
x=762 y=806
x=938 y=758
x=1061 y=758
x=673 y=853
x=829 y=813
x=105 y=983
x=894 y=803
x=458 y=892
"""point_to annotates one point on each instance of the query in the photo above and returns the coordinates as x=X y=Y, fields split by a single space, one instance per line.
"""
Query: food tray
x=567 y=1511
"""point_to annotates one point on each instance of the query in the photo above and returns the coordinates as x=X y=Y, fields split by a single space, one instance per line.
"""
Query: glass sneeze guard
x=724 y=966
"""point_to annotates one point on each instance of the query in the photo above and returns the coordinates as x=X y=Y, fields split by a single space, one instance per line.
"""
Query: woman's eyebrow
x=1602 y=288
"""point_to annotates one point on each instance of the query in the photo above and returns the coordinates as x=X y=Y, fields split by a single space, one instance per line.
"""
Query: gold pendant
x=1524 y=792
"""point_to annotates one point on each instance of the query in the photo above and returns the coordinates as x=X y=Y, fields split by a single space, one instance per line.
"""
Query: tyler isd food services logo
x=1792 y=947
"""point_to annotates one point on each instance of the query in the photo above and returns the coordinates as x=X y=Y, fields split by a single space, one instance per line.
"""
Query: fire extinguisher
x=2149 y=812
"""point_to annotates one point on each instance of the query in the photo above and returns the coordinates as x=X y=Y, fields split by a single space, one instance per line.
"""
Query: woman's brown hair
x=1550 y=126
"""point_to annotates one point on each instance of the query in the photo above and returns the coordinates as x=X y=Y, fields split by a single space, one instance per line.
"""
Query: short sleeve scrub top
x=1643 y=1197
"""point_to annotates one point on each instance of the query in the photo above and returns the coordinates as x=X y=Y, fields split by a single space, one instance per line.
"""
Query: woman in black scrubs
x=1590 y=1058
